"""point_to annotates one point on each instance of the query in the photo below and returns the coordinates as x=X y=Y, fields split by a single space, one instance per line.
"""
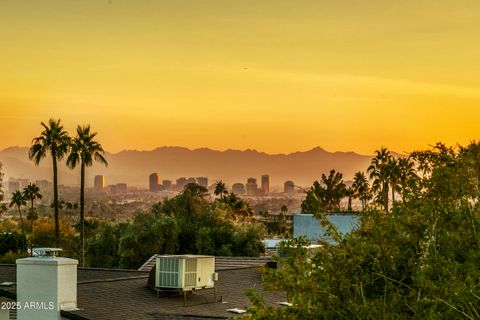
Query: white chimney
x=45 y=285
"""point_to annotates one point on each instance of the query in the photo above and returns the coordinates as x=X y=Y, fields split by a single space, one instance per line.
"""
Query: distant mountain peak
x=318 y=149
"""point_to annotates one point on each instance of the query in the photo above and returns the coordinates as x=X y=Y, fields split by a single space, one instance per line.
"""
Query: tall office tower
x=265 y=184
x=202 y=181
x=289 y=187
x=252 y=187
x=99 y=183
x=181 y=183
x=191 y=180
x=238 y=188
x=153 y=183
x=167 y=185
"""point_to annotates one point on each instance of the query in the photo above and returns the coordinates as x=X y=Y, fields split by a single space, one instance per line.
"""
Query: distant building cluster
x=100 y=186
x=154 y=184
x=251 y=187
x=19 y=184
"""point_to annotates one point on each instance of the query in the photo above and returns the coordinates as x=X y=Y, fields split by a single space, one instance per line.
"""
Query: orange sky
x=274 y=75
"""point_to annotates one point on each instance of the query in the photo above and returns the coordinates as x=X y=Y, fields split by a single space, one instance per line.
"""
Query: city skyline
x=275 y=76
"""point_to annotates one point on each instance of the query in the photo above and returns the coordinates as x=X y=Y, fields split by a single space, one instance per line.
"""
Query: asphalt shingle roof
x=221 y=263
x=122 y=294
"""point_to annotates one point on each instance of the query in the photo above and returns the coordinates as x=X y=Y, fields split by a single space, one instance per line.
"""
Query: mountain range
x=133 y=167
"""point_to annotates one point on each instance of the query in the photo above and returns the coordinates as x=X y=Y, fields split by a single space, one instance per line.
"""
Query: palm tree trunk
x=82 y=211
x=393 y=193
x=31 y=239
x=349 y=203
x=55 y=198
x=403 y=192
x=385 y=196
x=478 y=179
x=21 y=218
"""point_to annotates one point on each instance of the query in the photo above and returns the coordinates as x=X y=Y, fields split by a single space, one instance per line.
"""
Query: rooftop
x=122 y=294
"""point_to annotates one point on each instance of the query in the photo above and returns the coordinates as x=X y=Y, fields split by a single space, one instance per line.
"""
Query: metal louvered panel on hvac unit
x=185 y=272
x=169 y=275
x=190 y=272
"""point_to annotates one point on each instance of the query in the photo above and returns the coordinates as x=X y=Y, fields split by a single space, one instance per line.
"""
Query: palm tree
x=32 y=216
x=393 y=171
x=361 y=187
x=220 y=189
x=471 y=157
x=379 y=173
x=406 y=172
x=55 y=141
x=18 y=199
x=84 y=150
x=349 y=192
x=32 y=193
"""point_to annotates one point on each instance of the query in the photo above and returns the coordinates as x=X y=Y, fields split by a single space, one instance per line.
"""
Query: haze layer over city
x=210 y=159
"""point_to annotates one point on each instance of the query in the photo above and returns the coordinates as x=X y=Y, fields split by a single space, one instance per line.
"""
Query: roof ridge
x=112 y=279
x=110 y=270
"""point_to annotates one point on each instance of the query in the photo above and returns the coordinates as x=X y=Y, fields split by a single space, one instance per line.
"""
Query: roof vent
x=46 y=252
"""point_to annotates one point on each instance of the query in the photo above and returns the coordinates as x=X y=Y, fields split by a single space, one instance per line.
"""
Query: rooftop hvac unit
x=185 y=272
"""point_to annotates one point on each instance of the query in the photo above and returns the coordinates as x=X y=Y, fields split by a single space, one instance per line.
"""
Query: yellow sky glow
x=274 y=75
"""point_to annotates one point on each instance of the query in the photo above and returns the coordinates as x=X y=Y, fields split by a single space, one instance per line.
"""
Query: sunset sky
x=274 y=75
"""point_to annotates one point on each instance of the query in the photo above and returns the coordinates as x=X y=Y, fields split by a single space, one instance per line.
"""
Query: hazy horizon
x=274 y=75
x=133 y=167
x=227 y=149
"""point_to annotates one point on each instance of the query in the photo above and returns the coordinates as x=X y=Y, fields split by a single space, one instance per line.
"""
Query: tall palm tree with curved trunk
x=18 y=200
x=84 y=150
x=55 y=141
x=380 y=174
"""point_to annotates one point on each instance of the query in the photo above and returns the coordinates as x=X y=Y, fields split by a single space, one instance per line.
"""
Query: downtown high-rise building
x=202 y=181
x=154 y=183
x=99 y=183
x=181 y=183
x=167 y=185
x=289 y=187
x=252 y=187
x=265 y=184
x=238 y=188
